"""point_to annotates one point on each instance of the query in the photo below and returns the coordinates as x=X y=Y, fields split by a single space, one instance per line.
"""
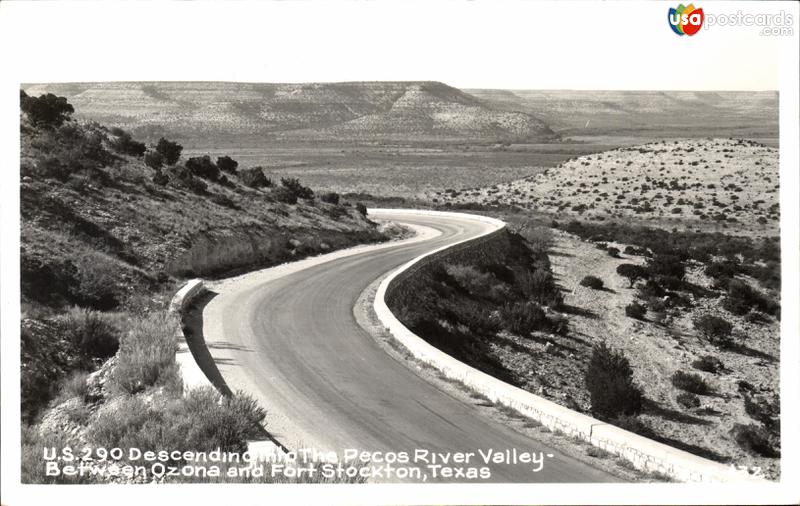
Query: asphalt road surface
x=292 y=341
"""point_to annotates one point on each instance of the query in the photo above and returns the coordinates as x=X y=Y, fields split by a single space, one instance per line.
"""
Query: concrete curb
x=645 y=454
x=193 y=376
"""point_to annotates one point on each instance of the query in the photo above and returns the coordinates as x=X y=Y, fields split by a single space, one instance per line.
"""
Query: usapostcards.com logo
x=685 y=20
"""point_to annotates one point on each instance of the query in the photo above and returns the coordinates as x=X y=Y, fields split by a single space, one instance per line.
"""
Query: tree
x=609 y=379
x=632 y=271
x=170 y=151
x=227 y=164
x=47 y=111
x=202 y=166
x=666 y=266
x=361 y=208
x=254 y=178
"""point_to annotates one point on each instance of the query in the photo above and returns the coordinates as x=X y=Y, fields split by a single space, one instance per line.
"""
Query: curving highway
x=288 y=336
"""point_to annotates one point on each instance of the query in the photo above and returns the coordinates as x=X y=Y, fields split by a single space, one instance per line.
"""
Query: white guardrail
x=645 y=454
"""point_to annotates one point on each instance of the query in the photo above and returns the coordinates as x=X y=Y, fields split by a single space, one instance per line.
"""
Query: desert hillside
x=112 y=224
x=679 y=113
x=324 y=111
x=713 y=184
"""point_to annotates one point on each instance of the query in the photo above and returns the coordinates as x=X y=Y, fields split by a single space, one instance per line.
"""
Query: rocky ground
x=553 y=366
x=713 y=184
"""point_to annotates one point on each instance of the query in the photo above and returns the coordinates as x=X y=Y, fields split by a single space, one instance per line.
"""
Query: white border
x=158 y=40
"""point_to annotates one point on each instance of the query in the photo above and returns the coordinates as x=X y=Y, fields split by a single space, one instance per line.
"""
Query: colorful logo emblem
x=685 y=20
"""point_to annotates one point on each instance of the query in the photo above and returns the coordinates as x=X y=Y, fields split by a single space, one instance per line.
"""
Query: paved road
x=294 y=343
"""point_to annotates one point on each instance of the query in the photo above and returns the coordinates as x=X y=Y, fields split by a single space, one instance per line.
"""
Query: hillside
x=673 y=113
x=713 y=184
x=104 y=229
x=206 y=112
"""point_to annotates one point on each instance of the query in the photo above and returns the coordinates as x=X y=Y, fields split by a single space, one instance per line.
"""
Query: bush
x=94 y=335
x=666 y=265
x=690 y=382
x=633 y=272
x=181 y=176
x=472 y=280
x=540 y=286
x=227 y=164
x=755 y=439
x=330 y=198
x=361 y=208
x=147 y=355
x=202 y=166
x=254 y=178
x=47 y=111
x=522 y=318
x=742 y=297
x=125 y=144
x=609 y=379
x=613 y=252
x=95 y=282
x=202 y=420
x=708 y=363
x=160 y=179
x=300 y=191
x=635 y=310
x=688 y=400
x=285 y=195
x=170 y=151
x=714 y=329
x=592 y=282
x=154 y=160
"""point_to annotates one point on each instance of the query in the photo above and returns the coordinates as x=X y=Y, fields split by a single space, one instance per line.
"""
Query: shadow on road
x=193 y=329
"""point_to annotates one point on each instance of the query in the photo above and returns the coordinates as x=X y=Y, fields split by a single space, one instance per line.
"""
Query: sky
x=478 y=44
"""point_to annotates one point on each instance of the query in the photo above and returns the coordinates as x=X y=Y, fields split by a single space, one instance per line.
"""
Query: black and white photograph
x=379 y=252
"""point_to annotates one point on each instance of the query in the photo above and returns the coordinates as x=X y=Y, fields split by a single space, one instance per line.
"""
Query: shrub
x=160 y=178
x=690 y=382
x=202 y=166
x=632 y=271
x=300 y=191
x=592 y=282
x=47 y=111
x=202 y=420
x=254 y=178
x=635 y=310
x=125 y=144
x=755 y=439
x=361 y=208
x=92 y=334
x=170 y=151
x=609 y=379
x=147 y=355
x=714 y=329
x=227 y=164
x=613 y=252
x=330 y=197
x=154 y=160
x=666 y=265
x=475 y=282
x=95 y=282
x=540 y=286
x=522 y=318
x=688 y=400
x=742 y=297
x=708 y=363
x=181 y=176
x=285 y=195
